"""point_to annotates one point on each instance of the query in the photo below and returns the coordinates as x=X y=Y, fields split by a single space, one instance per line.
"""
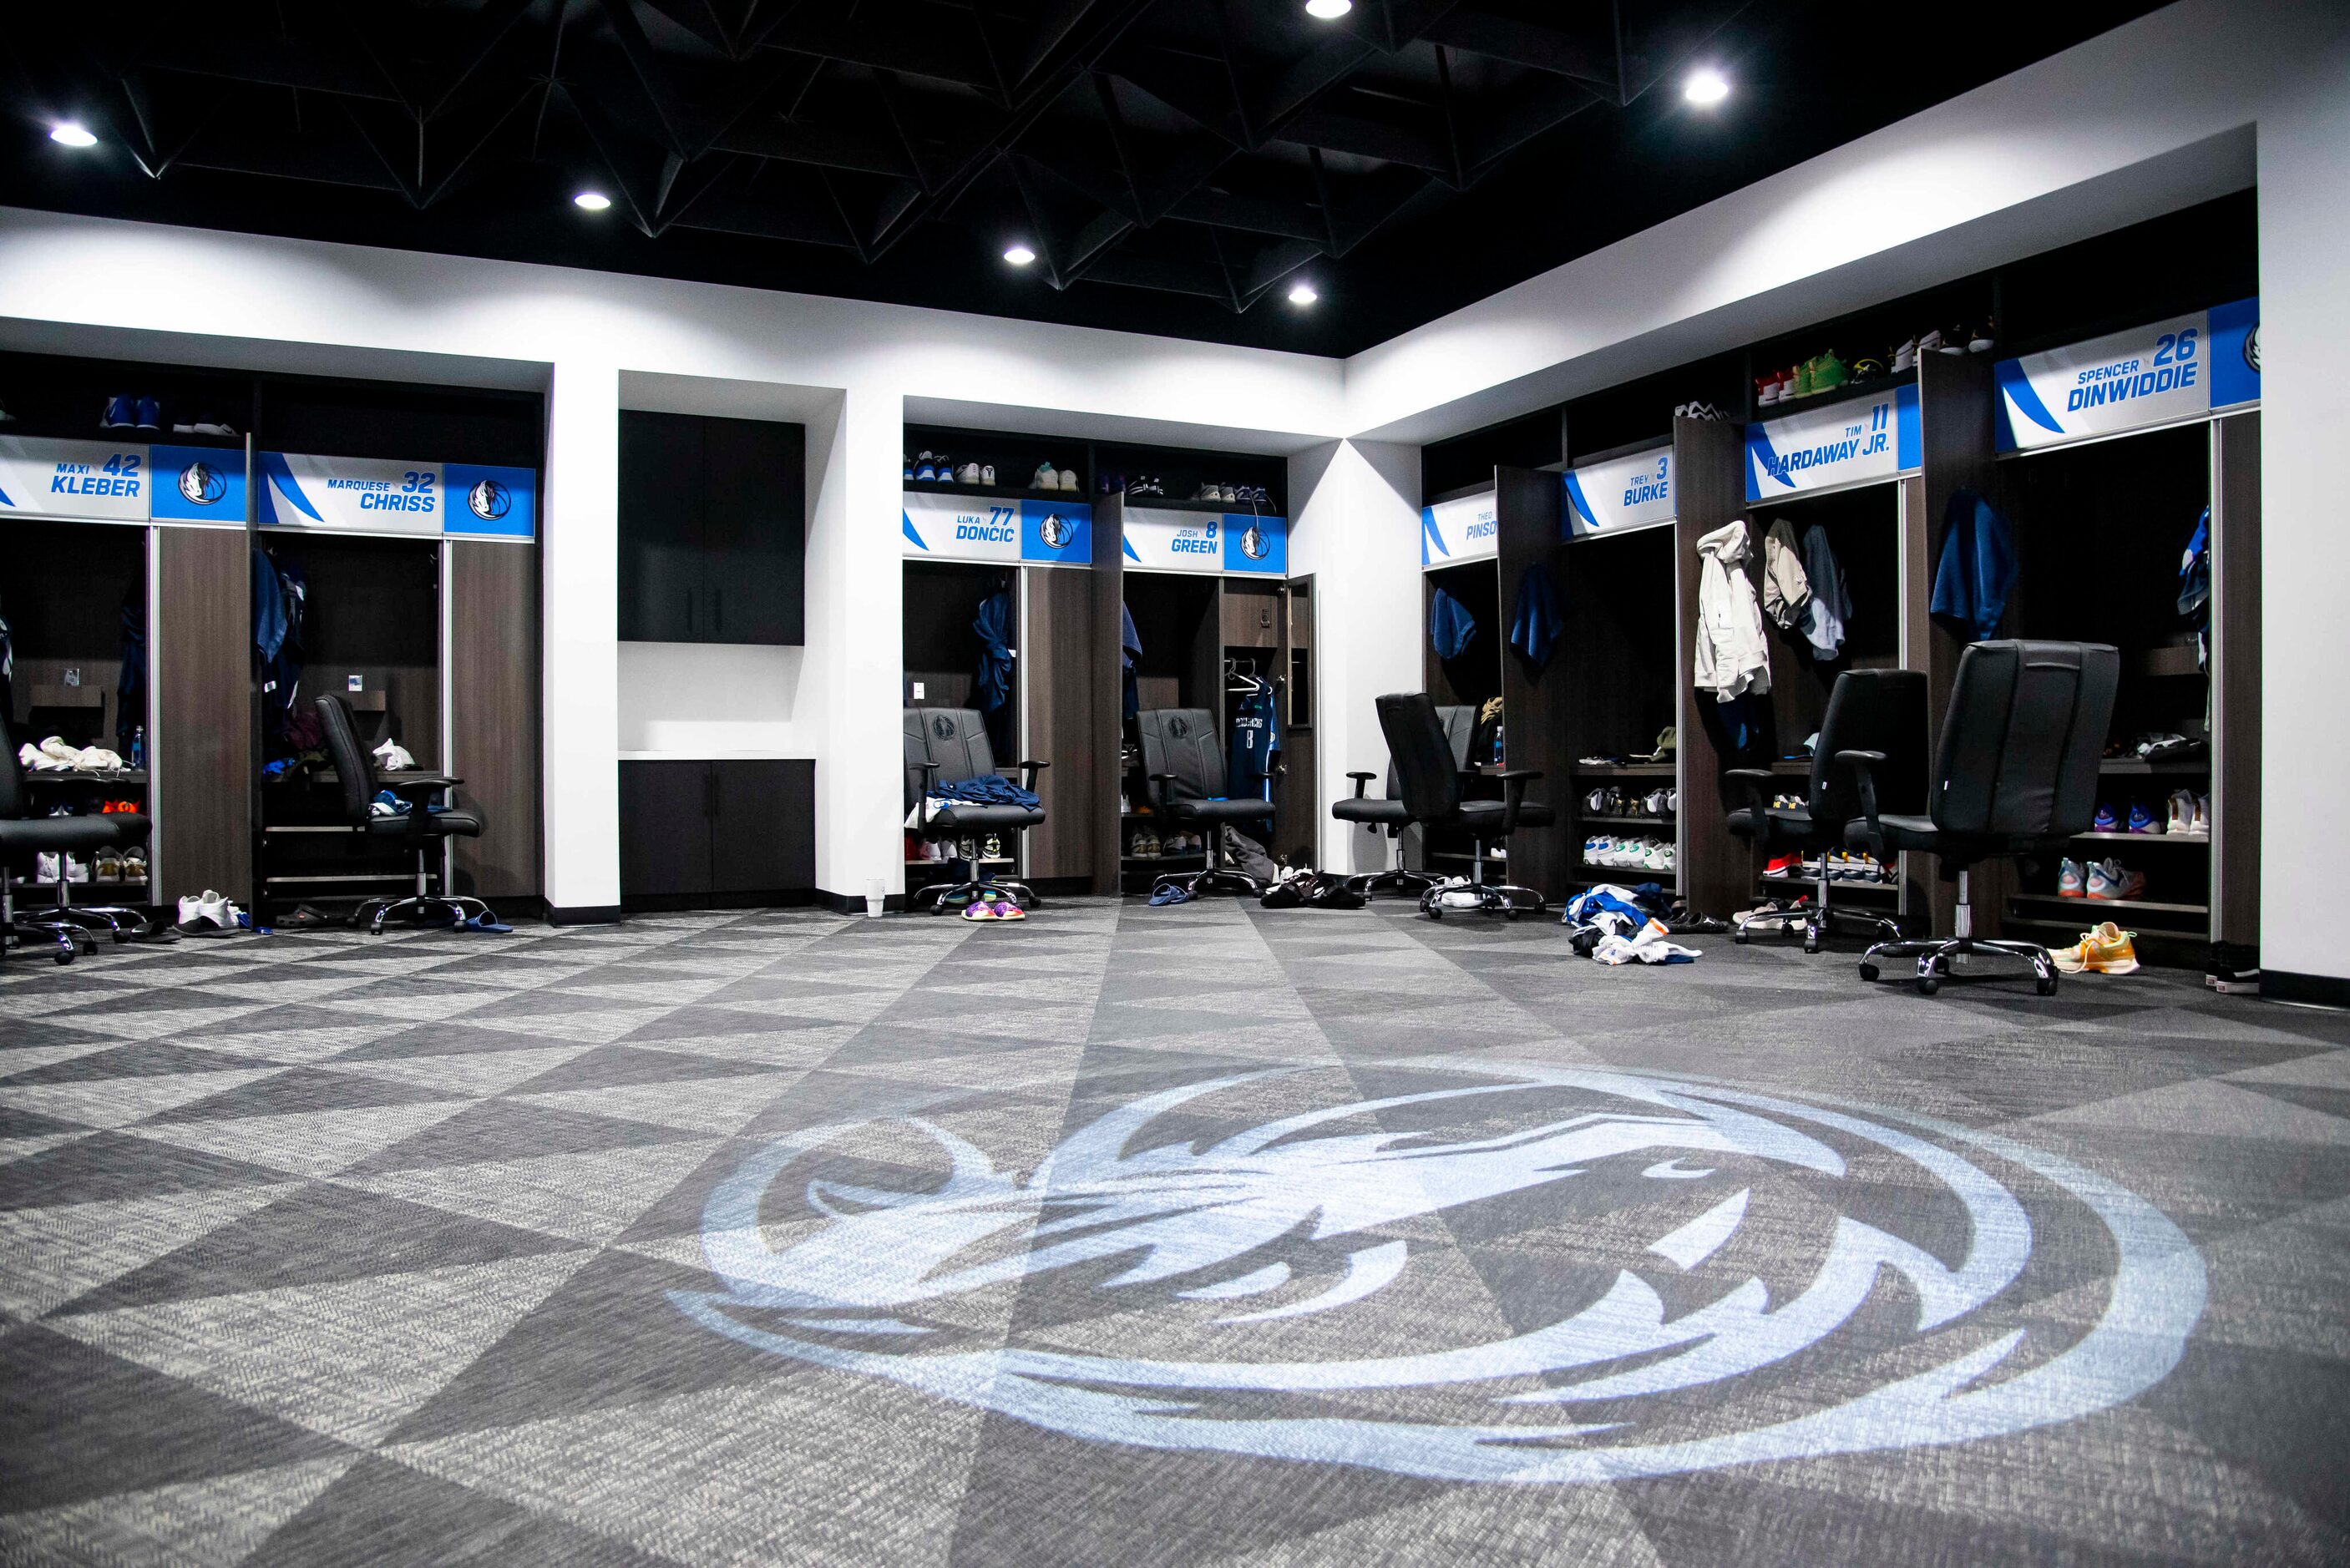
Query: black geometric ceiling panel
x=1172 y=164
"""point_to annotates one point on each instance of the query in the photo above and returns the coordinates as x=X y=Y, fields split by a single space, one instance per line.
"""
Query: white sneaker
x=967 y=474
x=2203 y=815
x=44 y=868
x=2182 y=812
x=208 y=908
x=987 y=473
x=1046 y=477
x=1068 y=480
x=76 y=868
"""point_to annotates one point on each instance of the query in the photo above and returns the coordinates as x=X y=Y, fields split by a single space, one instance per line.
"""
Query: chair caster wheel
x=1811 y=944
x=1868 y=972
x=1927 y=984
x=1435 y=911
x=1740 y=938
x=1509 y=915
x=2045 y=986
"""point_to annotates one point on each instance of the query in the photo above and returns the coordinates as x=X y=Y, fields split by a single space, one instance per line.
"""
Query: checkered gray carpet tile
x=1122 y=1235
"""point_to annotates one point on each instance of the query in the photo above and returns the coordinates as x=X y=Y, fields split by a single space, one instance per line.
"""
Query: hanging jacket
x=993 y=629
x=7 y=673
x=1535 y=624
x=130 y=684
x=1831 y=608
x=2195 y=587
x=1977 y=568
x=1786 y=589
x=1450 y=625
x=269 y=623
x=1731 y=657
x=1130 y=649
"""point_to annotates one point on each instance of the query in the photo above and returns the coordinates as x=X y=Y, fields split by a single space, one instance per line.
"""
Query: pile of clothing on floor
x=1616 y=925
x=1303 y=888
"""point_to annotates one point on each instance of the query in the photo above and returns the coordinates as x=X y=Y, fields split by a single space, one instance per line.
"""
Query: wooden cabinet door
x=763 y=826
x=663 y=594
x=665 y=828
x=754 y=521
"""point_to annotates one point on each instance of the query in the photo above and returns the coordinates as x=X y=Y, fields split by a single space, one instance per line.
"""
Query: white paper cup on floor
x=876 y=898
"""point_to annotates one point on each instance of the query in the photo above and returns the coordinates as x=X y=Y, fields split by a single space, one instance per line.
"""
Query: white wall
x=1356 y=531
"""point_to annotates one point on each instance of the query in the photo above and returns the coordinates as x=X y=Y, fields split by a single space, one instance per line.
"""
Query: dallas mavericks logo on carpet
x=488 y=500
x=202 y=484
x=1465 y=1270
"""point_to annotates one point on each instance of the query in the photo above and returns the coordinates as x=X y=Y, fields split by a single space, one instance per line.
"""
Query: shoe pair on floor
x=2106 y=878
x=992 y=906
x=2105 y=950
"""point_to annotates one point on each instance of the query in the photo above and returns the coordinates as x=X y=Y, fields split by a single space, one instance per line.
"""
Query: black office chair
x=420 y=828
x=2015 y=775
x=1881 y=710
x=1387 y=813
x=946 y=746
x=1184 y=758
x=67 y=924
x=1430 y=776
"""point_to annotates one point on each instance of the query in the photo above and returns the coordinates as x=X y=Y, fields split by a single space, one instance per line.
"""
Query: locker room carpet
x=314 y=1249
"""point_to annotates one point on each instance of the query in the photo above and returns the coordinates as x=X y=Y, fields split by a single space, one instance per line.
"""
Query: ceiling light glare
x=1328 y=10
x=1019 y=255
x=591 y=201
x=1706 y=86
x=72 y=133
x=1302 y=294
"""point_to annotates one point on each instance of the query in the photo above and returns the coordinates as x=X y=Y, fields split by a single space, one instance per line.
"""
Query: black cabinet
x=709 y=831
x=712 y=526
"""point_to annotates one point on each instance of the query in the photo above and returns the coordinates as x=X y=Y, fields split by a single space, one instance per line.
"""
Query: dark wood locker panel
x=660 y=529
x=1536 y=709
x=1106 y=680
x=1063 y=654
x=2236 y=678
x=763 y=826
x=494 y=697
x=754 y=510
x=665 y=828
x=1252 y=615
x=199 y=649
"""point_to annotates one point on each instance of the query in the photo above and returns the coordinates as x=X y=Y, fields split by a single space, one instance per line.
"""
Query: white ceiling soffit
x=1070 y=424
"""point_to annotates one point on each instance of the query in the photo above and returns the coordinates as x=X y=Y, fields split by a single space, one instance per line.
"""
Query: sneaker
x=1783 y=865
x=2072 y=881
x=1007 y=909
x=1827 y=372
x=2182 y=812
x=994 y=849
x=981 y=908
x=134 y=864
x=1657 y=802
x=1931 y=342
x=151 y=414
x=76 y=868
x=2111 y=880
x=121 y=413
x=967 y=474
x=1046 y=477
x=45 y=868
x=1657 y=854
x=1068 y=480
x=107 y=866
x=1954 y=341
x=2203 y=814
x=987 y=473
x=2106 y=822
x=2141 y=819
x=1799 y=384
x=1867 y=369
x=2235 y=967
x=1981 y=340
x=1905 y=358
x=2109 y=950
x=926 y=474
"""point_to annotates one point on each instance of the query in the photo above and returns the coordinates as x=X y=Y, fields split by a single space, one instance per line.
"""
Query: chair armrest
x=1029 y=770
x=1506 y=775
x=922 y=807
x=1362 y=782
x=1864 y=765
x=417 y=790
x=1752 y=781
x=1513 y=794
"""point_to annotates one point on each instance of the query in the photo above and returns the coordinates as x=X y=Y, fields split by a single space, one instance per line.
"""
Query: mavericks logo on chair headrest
x=942 y=727
x=1277 y=1264
x=1178 y=726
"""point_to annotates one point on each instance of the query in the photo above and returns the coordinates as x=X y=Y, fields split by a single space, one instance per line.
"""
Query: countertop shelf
x=1626 y=770
x=87 y=776
x=2139 y=767
x=2204 y=839
x=2143 y=906
x=996 y=491
x=1662 y=822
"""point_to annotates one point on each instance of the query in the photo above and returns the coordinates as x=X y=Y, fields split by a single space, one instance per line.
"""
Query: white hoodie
x=1732 y=657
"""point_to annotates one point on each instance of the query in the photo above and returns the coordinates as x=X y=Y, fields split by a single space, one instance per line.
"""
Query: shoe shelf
x=1837 y=886
x=2140 y=768
x=1463 y=855
x=52 y=430
x=2064 y=933
x=1660 y=821
x=2173 y=659
x=432 y=879
x=1214 y=508
x=1874 y=386
x=994 y=492
x=1626 y=876
x=2200 y=839
x=73 y=889
x=942 y=865
x=87 y=776
x=1626 y=770
x=1162 y=859
x=2140 y=906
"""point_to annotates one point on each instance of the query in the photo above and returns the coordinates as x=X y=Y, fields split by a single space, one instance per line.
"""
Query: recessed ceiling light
x=591 y=201
x=1705 y=85
x=1328 y=10
x=1019 y=255
x=72 y=133
x=1302 y=294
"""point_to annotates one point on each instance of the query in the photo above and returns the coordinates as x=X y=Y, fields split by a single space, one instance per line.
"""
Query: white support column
x=579 y=683
x=1356 y=531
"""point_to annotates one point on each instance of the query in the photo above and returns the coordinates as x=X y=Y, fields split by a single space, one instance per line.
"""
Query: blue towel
x=269 y=619
x=1450 y=625
x=1977 y=568
x=993 y=629
x=987 y=789
x=1535 y=629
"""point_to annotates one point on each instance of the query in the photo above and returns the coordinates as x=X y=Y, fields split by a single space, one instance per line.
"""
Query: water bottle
x=138 y=745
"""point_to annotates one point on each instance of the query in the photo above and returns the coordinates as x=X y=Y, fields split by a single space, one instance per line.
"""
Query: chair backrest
x=2021 y=741
x=12 y=800
x=1428 y=770
x=1182 y=742
x=954 y=738
x=354 y=769
x=1459 y=722
x=1872 y=711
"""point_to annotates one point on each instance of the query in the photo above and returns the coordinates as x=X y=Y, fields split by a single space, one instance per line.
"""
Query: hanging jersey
x=1255 y=738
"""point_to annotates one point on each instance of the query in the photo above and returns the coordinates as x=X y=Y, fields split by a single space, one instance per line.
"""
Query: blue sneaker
x=150 y=415
x=2106 y=822
x=2142 y=820
x=122 y=413
x=925 y=475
